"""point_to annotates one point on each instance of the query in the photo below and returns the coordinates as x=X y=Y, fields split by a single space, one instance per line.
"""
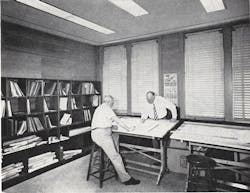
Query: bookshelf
x=45 y=123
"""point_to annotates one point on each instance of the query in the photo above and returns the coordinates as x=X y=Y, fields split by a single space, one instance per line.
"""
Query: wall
x=33 y=54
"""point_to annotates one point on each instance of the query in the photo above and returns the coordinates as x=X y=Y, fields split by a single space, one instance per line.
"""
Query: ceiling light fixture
x=130 y=6
x=213 y=5
x=65 y=15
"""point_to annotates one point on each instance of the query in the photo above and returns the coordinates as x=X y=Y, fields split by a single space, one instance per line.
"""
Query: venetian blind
x=115 y=76
x=241 y=72
x=204 y=75
x=144 y=73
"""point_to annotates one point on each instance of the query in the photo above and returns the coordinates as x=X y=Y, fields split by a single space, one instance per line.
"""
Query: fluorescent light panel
x=213 y=5
x=130 y=6
x=65 y=15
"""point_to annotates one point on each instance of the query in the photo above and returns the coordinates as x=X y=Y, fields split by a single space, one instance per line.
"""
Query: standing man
x=158 y=108
x=102 y=135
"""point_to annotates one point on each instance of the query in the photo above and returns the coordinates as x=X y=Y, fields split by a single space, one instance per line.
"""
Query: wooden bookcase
x=49 y=110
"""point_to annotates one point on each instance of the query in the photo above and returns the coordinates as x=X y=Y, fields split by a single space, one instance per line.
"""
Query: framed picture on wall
x=170 y=87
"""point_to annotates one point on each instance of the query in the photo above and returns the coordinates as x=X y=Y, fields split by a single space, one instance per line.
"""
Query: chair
x=200 y=174
x=99 y=163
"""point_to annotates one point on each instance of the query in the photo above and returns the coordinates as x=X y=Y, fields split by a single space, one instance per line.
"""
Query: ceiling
x=165 y=16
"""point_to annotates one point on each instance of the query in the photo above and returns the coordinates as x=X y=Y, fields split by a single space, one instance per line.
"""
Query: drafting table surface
x=215 y=134
x=147 y=129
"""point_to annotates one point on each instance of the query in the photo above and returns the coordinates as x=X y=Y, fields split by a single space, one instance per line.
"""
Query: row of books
x=45 y=107
x=50 y=88
x=32 y=124
x=41 y=161
x=12 y=171
x=22 y=144
x=15 y=89
x=67 y=118
x=70 y=153
x=64 y=104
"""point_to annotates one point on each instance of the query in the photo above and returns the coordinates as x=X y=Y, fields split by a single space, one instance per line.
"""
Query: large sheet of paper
x=151 y=128
x=214 y=134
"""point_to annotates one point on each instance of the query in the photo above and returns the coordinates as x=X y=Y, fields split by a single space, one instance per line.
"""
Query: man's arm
x=144 y=115
x=120 y=123
x=171 y=106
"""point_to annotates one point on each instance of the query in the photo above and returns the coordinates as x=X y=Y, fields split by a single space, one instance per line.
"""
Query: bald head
x=109 y=100
x=150 y=96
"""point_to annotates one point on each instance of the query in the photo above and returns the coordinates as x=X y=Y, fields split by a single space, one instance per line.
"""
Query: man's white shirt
x=102 y=117
x=161 y=106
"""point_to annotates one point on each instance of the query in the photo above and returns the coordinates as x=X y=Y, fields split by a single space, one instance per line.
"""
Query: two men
x=102 y=135
x=104 y=117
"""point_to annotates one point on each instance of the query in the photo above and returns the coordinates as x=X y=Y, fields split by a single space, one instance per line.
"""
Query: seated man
x=157 y=108
x=102 y=135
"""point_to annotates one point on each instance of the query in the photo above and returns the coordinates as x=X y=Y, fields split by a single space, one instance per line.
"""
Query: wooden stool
x=100 y=163
x=200 y=174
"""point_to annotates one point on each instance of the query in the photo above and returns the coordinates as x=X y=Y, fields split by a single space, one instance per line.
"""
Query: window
x=241 y=72
x=144 y=73
x=204 y=75
x=115 y=76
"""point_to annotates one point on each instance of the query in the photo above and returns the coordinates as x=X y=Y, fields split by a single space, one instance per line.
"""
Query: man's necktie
x=155 y=113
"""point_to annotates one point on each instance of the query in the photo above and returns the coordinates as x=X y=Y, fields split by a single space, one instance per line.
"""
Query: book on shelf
x=87 y=88
x=86 y=115
x=79 y=131
x=15 y=89
x=49 y=89
x=70 y=153
x=64 y=88
x=3 y=108
x=66 y=119
x=48 y=121
x=55 y=139
x=63 y=103
x=35 y=88
x=11 y=171
x=96 y=100
x=9 y=111
x=22 y=143
x=22 y=128
x=73 y=103
x=45 y=106
x=28 y=106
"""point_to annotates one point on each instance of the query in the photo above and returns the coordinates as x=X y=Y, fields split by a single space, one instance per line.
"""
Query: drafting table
x=151 y=129
x=232 y=138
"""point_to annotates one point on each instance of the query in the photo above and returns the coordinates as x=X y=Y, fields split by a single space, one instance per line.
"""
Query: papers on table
x=150 y=128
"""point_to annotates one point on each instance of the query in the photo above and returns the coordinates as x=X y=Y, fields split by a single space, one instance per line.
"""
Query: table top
x=149 y=129
x=214 y=134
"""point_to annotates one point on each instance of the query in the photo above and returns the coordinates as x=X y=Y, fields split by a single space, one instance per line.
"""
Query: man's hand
x=143 y=120
x=173 y=120
x=114 y=127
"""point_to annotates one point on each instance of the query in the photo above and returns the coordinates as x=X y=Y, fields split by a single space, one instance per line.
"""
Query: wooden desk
x=217 y=136
x=151 y=129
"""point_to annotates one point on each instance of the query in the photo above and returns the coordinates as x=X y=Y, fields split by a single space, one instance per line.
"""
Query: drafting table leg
x=237 y=159
x=163 y=160
x=190 y=148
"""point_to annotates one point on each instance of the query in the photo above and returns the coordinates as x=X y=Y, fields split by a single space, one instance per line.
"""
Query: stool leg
x=101 y=168
x=90 y=160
